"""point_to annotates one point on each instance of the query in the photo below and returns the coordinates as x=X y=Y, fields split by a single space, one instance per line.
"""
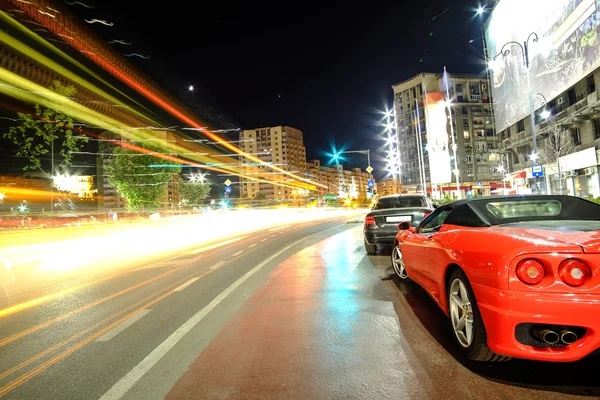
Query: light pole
x=394 y=147
x=505 y=51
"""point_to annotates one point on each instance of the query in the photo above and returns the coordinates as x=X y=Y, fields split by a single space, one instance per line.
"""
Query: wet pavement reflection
x=331 y=322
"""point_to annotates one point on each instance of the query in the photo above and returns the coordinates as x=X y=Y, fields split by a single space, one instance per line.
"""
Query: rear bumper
x=380 y=236
x=502 y=310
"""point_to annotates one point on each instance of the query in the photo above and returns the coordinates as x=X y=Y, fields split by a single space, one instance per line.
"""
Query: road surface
x=297 y=311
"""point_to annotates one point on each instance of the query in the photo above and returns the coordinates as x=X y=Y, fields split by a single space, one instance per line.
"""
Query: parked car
x=381 y=224
x=518 y=276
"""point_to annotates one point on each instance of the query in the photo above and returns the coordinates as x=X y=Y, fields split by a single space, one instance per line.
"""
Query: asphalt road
x=79 y=345
x=172 y=325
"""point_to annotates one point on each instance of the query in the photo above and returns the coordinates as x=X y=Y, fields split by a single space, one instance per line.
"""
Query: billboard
x=568 y=49
x=437 y=138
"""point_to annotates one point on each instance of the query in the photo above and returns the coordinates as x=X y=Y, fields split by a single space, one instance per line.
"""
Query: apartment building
x=340 y=182
x=476 y=144
x=388 y=186
x=575 y=113
x=282 y=146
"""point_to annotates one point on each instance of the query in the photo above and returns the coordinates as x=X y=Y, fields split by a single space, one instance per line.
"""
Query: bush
x=595 y=200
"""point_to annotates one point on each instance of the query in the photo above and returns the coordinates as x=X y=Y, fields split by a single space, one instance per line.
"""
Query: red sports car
x=518 y=276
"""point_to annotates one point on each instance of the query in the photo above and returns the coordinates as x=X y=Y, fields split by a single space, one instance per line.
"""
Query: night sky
x=323 y=67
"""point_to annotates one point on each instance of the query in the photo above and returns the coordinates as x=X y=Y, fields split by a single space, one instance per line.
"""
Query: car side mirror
x=404 y=226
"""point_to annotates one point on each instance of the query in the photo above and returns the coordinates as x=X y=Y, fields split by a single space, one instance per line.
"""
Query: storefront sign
x=581 y=159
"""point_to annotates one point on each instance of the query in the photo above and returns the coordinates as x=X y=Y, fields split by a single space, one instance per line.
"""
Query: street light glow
x=191 y=88
x=480 y=10
x=533 y=157
x=1 y=196
x=546 y=114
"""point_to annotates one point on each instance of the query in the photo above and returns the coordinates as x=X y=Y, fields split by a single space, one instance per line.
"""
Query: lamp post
x=524 y=47
x=394 y=147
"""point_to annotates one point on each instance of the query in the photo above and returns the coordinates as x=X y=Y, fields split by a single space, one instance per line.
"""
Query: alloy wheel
x=461 y=313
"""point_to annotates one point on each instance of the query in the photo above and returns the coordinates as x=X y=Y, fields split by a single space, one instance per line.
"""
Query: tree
x=193 y=191
x=260 y=196
x=139 y=177
x=35 y=136
x=558 y=143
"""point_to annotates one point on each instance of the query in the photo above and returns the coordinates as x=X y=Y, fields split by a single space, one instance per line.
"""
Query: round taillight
x=573 y=272
x=530 y=271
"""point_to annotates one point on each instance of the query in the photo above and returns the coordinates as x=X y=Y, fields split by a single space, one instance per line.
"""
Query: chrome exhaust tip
x=568 y=337
x=546 y=335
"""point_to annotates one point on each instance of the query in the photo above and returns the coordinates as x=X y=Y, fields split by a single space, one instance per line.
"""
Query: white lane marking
x=252 y=245
x=237 y=254
x=217 y=265
x=264 y=240
x=272 y=235
x=279 y=227
x=122 y=326
x=188 y=283
x=214 y=246
x=124 y=384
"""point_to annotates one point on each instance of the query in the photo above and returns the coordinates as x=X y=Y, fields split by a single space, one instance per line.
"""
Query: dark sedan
x=381 y=224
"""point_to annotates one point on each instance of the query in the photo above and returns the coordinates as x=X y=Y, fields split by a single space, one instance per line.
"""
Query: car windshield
x=523 y=209
x=399 y=202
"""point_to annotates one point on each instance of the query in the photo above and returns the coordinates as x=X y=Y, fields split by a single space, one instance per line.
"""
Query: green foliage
x=595 y=200
x=260 y=196
x=332 y=202
x=444 y=200
x=35 y=136
x=138 y=182
x=194 y=191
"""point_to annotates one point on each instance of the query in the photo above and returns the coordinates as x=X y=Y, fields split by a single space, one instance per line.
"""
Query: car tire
x=466 y=324
x=398 y=263
x=370 y=248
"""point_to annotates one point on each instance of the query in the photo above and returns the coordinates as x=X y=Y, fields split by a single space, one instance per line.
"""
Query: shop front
x=575 y=174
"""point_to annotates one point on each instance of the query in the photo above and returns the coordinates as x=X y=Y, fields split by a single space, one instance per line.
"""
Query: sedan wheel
x=398 y=263
x=467 y=325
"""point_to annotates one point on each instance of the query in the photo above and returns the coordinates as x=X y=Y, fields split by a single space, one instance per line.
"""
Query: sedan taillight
x=530 y=271
x=370 y=220
x=426 y=213
x=573 y=272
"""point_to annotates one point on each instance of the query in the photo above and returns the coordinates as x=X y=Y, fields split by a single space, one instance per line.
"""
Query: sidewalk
x=323 y=326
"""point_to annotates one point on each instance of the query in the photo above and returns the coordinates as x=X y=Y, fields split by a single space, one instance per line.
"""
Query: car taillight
x=530 y=271
x=426 y=213
x=573 y=272
x=370 y=220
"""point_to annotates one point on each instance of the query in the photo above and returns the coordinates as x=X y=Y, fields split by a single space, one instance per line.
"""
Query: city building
x=570 y=166
x=388 y=186
x=477 y=145
x=282 y=146
x=545 y=79
x=343 y=183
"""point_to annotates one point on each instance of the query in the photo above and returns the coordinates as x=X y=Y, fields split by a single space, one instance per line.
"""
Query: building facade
x=388 y=186
x=568 y=143
x=476 y=144
x=340 y=182
x=282 y=146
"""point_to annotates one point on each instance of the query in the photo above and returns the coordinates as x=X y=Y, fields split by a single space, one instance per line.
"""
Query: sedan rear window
x=399 y=202
x=521 y=208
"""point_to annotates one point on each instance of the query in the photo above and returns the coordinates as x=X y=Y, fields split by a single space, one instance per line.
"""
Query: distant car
x=381 y=224
x=519 y=276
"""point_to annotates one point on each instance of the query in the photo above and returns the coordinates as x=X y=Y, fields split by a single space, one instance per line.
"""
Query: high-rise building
x=477 y=145
x=387 y=187
x=282 y=146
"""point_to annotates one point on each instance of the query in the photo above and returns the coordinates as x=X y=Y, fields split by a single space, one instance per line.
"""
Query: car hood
x=585 y=234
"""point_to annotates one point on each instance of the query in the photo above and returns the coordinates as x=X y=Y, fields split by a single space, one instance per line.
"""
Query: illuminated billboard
x=437 y=138
x=568 y=49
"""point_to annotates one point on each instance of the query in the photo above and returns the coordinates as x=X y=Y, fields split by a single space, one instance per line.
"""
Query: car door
x=430 y=246
x=413 y=246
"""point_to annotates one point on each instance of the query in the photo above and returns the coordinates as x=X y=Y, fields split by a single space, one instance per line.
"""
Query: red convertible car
x=518 y=276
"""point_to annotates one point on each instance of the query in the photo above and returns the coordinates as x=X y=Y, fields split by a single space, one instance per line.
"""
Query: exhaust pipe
x=546 y=335
x=568 y=337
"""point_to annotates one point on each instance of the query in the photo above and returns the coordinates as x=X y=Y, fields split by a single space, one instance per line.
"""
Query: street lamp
x=524 y=47
x=191 y=88
x=480 y=10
